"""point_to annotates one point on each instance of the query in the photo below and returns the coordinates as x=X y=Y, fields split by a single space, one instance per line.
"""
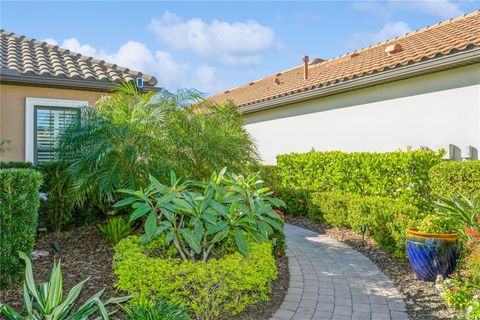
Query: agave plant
x=48 y=302
x=196 y=216
x=463 y=211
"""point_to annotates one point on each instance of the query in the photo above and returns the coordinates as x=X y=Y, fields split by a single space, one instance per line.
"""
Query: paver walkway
x=330 y=280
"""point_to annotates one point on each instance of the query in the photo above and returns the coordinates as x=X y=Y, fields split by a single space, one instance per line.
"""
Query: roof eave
x=446 y=62
x=65 y=83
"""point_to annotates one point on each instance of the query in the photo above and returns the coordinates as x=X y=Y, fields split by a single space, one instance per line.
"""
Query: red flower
x=452 y=275
x=471 y=232
x=453 y=289
x=280 y=213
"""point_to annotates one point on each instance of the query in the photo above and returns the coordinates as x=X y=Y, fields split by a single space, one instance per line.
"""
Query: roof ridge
x=408 y=34
x=76 y=55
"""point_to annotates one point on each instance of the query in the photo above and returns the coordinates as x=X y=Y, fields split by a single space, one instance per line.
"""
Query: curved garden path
x=330 y=280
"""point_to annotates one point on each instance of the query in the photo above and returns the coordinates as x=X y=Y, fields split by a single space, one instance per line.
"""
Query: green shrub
x=57 y=211
x=386 y=219
x=208 y=289
x=331 y=207
x=19 y=201
x=436 y=223
x=116 y=229
x=16 y=165
x=450 y=178
x=296 y=200
x=399 y=175
x=161 y=310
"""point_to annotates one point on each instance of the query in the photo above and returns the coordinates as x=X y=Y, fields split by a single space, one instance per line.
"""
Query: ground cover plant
x=19 y=202
x=211 y=239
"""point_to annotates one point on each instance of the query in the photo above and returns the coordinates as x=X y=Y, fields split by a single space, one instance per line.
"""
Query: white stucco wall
x=435 y=109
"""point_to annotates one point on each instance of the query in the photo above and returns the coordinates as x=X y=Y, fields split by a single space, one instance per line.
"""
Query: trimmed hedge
x=400 y=175
x=449 y=178
x=209 y=289
x=386 y=219
x=59 y=211
x=19 y=202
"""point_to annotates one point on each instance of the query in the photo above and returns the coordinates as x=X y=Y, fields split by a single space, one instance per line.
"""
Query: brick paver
x=330 y=280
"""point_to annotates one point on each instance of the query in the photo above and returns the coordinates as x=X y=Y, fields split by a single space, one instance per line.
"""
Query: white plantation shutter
x=50 y=123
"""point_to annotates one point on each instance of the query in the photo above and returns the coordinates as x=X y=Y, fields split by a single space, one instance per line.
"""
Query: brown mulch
x=86 y=253
x=420 y=298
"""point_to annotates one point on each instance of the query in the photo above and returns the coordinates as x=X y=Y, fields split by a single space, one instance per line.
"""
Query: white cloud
x=224 y=42
x=389 y=30
x=74 y=45
x=137 y=56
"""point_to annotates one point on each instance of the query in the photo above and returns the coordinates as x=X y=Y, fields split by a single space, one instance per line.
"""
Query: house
x=421 y=89
x=42 y=87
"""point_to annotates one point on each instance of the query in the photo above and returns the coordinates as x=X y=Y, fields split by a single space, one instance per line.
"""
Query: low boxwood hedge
x=19 y=202
x=386 y=219
x=208 y=289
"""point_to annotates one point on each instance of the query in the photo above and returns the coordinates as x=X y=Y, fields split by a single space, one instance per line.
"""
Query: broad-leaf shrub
x=386 y=219
x=19 y=202
x=209 y=289
x=399 y=175
x=450 y=178
x=198 y=216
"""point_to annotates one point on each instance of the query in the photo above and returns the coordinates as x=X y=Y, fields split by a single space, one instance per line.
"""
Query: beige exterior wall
x=12 y=112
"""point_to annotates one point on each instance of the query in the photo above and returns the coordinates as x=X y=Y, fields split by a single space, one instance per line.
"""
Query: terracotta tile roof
x=31 y=57
x=454 y=35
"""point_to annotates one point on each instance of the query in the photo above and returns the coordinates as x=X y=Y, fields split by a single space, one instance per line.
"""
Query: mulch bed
x=420 y=298
x=86 y=253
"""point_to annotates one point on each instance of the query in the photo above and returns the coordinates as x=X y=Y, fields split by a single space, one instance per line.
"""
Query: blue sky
x=213 y=46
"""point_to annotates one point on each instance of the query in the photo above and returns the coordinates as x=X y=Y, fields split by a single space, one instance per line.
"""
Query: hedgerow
x=19 y=202
x=399 y=175
x=449 y=178
x=385 y=219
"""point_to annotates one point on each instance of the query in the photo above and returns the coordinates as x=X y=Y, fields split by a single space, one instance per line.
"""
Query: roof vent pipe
x=305 y=67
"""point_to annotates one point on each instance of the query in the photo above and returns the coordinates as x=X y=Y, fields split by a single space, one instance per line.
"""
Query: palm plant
x=47 y=301
x=197 y=216
x=130 y=135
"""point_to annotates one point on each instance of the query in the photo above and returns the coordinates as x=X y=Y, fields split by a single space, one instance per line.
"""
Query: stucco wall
x=12 y=112
x=435 y=109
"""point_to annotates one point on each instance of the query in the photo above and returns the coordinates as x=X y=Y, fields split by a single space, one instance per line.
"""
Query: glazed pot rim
x=442 y=236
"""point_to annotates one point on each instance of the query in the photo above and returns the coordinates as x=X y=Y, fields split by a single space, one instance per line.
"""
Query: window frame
x=30 y=121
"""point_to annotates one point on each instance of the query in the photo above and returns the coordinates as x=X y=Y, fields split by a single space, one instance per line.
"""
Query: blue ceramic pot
x=431 y=254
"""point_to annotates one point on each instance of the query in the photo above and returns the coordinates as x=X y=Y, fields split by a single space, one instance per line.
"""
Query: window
x=50 y=123
x=45 y=122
